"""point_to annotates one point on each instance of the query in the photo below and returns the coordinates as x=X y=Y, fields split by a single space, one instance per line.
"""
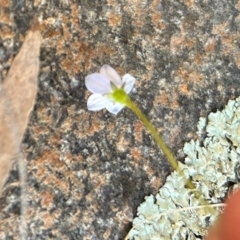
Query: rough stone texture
x=88 y=172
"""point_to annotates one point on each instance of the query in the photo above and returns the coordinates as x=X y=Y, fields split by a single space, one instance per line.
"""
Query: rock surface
x=88 y=172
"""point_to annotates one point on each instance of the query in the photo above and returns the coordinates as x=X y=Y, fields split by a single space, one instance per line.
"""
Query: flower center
x=119 y=95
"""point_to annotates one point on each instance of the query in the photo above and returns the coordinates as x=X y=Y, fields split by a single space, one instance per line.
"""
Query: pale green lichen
x=211 y=166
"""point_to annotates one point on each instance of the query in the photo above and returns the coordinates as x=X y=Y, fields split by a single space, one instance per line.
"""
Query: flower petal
x=97 y=83
x=111 y=74
x=97 y=102
x=129 y=81
x=114 y=107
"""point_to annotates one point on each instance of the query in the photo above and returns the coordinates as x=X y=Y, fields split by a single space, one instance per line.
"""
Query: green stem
x=153 y=131
x=121 y=97
x=167 y=152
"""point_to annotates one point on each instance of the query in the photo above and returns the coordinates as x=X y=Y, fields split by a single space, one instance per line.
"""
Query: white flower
x=103 y=85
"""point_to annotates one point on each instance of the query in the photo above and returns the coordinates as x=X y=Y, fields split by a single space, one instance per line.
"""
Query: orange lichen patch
x=180 y=42
x=111 y=3
x=69 y=60
x=95 y=126
x=137 y=155
x=66 y=32
x=49 y=157
x=220 y=29
x=210 y=45
x=121 y=143
x=114 y=19
x=175 y=42
x=40 y=130
x=88 y=125
x=154 y=5
x=72 y=110
x=156 y=16
x=107 y=233
x=68 y=158
x=137 y=10
x=174 y=103
x=47 y=199
x=97 y=179
x=138 y=128
x=42 y=115
x=48 y=220
x=68 y=123
x=54 y=139
x=54 y=182
x=198 y=58
x=111 y=127
x=36 y=3
x=101 y=50
x=6 y=33
x=48 y=30
x=41 y=171
x=157 y=21
x=166 y=100
x=79 y=55
x=39 y=164
x=29 y=213
x=189 y=75
x=5 y=18
x=4 y=3
x=53 y=159
x=188 y=3
x=230 y=43
x=52 y=34
x=138 y=18
x=89 y=197
x=75 y=14
x=162 y=98
x=184 y=88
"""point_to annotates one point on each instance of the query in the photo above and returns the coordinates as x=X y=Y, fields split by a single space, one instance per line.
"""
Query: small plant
x=111 y=92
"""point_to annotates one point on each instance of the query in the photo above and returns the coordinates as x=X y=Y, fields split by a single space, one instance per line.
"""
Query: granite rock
x=88 y=172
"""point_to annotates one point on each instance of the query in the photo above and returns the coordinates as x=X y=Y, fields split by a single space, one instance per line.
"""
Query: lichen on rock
x=211 y=166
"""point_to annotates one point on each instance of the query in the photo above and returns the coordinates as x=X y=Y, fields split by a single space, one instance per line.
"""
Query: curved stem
x=167 y=152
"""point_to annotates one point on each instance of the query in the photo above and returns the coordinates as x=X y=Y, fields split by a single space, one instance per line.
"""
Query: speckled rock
x=88 y=172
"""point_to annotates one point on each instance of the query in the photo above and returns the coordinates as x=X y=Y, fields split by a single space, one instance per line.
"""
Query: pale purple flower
x=101 y=85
